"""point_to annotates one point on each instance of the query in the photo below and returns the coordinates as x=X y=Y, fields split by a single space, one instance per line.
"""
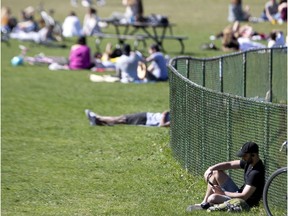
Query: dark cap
x=248 y=147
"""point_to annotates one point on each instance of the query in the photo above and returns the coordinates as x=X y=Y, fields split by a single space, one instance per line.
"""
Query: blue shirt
x=160 y=70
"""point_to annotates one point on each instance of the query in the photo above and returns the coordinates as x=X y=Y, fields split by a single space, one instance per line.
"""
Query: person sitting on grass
x=141 y=118
x=271 y=12
x=236 y=11
x=221 y=187
x=157 y=70
x=80 y=55
x=127 y=64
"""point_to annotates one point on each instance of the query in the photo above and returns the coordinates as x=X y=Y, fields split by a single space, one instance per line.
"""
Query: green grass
x=54 y=163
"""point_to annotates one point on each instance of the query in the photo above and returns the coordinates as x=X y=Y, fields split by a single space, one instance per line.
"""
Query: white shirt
x=71 y=27
x=247 y=44
x=90 y=24
x=127 y=66
x=153 y=119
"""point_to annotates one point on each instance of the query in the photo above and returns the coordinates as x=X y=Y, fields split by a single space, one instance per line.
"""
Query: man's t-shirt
x=254 y=176
x=160 y=70
x=127 y=66
x=154 y=119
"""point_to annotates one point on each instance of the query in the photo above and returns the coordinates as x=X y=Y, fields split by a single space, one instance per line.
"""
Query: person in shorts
x=141 y=118
x=221 y=187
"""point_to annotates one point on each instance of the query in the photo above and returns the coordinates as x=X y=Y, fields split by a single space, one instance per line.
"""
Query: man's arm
x=245 y=194
x=150 y=58
x=222 y=166
x=267 y=12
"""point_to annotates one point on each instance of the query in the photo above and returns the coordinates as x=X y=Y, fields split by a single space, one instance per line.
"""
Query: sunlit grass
x=54 y=163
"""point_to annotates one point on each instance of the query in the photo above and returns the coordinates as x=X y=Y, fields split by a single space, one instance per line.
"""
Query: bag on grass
x=233 y=205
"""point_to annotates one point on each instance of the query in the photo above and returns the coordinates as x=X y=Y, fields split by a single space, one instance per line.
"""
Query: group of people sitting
x=242 y=37
x=130 y=66
x=274 y=12
x=46 y=29
x=40 y=31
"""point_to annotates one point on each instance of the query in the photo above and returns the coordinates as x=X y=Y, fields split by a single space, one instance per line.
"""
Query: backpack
x=233 y=205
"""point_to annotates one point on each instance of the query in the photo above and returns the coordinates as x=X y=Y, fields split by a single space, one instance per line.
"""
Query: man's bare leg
x=111 y=120
x=217 y=178
x=96 y=119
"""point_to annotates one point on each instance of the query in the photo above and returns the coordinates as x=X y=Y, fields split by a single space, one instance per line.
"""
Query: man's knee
x=216 y=199
x=217 y=174
x=212 y=198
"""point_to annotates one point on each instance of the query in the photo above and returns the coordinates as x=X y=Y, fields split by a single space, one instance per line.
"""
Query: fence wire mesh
x=218 y=104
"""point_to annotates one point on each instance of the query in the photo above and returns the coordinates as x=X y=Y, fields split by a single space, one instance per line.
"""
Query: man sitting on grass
x=142 y=118
x=221 y=187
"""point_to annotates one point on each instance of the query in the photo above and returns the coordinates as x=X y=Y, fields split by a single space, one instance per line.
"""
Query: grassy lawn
x=54 y=163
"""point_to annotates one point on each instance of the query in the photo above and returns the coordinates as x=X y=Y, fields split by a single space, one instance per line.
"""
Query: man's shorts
x=230 y=186
x=136 y=119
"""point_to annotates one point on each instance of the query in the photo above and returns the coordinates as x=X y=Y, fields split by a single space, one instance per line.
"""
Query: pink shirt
x=79 y=57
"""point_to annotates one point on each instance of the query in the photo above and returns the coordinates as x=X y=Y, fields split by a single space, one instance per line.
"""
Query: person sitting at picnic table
x=133 y=12
x=157 y=70
x=159 y=119
x=91 y=23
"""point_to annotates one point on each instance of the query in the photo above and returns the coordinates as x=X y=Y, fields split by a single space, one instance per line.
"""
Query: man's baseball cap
x=248 y=147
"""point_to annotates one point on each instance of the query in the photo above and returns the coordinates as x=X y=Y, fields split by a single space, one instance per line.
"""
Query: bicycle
x=276 y=183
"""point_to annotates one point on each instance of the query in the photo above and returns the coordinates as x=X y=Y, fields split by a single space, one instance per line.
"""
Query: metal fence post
x=221 y=73
x=244 y=73
x=228 y=130
x=270 y=74
x=203 y=73
x=266 y=138
x=187 y=69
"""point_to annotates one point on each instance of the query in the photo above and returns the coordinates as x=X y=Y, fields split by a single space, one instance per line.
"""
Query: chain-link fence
x=218 y=104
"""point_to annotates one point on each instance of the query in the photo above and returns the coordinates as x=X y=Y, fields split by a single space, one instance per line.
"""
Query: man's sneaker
x=92 y=117
x=191 y=208
x=198 y=207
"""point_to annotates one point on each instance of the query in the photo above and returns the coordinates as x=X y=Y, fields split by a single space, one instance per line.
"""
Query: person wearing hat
x=221 y=187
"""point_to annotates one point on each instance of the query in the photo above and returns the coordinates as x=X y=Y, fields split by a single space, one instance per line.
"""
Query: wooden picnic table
x=155 y=31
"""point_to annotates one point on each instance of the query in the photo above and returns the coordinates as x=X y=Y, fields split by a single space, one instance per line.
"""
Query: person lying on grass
x=221 y=187
x=140 y=118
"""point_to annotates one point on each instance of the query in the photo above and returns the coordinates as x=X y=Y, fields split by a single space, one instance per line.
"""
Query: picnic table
x=140 y=32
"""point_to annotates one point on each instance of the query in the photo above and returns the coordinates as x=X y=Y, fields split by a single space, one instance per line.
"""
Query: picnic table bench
x=149 y=32
x=121 y=39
